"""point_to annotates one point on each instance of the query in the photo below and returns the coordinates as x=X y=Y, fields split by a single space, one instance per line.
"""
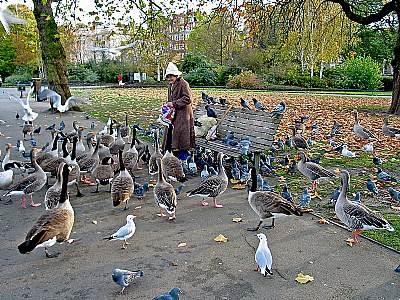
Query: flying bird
x=7 y=18
x=125 y=232
x=29 y=114
x=125 y=277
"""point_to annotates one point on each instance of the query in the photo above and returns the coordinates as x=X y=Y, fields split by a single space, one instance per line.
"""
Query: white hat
x=172 y=69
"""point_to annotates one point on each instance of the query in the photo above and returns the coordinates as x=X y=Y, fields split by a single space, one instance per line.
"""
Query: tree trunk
x=53 y=53
x=395 y=106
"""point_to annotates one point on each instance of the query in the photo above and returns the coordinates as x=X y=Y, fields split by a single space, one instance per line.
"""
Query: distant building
x=179 y=29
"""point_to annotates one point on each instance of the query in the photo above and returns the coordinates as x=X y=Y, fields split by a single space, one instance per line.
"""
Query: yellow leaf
x=138 y=207
x=301 y=278
x=237 y=220
x=182 y=245
x=94 y=222
x=174 y=264
x=239 y=186
x=322 y=221
x=234 y=181
x=221 y=239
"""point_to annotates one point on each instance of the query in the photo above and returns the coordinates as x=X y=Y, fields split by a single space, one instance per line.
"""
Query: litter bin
x=37 y=86
x=20 y=88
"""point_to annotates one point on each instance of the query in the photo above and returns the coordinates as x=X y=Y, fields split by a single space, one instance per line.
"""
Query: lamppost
x=158 y=66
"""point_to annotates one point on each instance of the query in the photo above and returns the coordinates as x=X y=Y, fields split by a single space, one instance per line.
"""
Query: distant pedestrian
x=120 y=83
x=1 y=81
x=180 y=98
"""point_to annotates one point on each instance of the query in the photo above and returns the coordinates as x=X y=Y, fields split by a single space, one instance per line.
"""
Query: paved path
x=204 y=269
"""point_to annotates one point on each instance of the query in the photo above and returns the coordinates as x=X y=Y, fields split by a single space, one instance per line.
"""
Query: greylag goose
x=390 y=131
x=312 y=171
x=268 y=204
x=122 y=185
x=212 y=186
x=104 y=151
x=125 y=130
x=118 y=144
x=104 y=173
x=172 y=166
x=153 y=168
x=131 y=156
x=54 y=192
x=109 y=138
x=29 y=184
x=55 y=225
x=298 y=142
x=360 y=131
x=90 y=163
x=164 y=194
x=356 y=216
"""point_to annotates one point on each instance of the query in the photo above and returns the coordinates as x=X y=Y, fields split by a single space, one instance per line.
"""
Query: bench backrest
x=259 y=126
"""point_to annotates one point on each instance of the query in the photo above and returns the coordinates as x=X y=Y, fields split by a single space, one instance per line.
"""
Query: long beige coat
x=183 y=134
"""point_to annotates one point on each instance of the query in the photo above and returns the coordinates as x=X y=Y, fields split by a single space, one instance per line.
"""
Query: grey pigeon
x=125 y=277
x=279 y=109
x=286 y=194
x=394 y=194
x=335 y=195
x=257 y=104
x=244 y=103
x=171 y=295
x=263 y=256
x=382 y=175
x=371 y=186
x=210 y=112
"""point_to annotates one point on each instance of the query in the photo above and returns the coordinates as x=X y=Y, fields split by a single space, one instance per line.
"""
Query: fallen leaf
x=221 y=239
x=182 y=245
x=281 y=179
x=239 y=186
x=174 y=264
x=322 y=221
x=350 y=242
x=94 y=222
x=234 y=181
x=237 y=220
x=395 y=207
x=138 y=207
x=301 y=278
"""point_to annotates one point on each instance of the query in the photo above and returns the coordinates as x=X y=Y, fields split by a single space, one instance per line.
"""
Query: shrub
x=25 y=78
x=76 y=73
x=246 y=79
x=358 y=73
x=307 y=81
x=387 y=82
x=192 y=61
x=150 y=80
x=91 y=76
x=226 y=72
x=201 y=77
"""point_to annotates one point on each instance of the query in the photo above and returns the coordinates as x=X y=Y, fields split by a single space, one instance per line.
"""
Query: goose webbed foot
x=204 y=203
x=255 y=228
x=49 y=255
x=9 y=202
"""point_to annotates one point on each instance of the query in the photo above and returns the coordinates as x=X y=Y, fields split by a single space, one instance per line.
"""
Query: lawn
x=143 y=104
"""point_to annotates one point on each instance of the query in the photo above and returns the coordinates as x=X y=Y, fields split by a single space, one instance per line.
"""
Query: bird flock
x=111 y=157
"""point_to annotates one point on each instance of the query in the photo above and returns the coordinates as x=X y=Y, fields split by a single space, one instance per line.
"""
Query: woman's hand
x=169 y=104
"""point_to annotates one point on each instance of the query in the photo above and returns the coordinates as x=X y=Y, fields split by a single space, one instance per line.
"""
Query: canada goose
x=172 y=166
x=55 y=225
x=53 y=193
x=357 y=216
x=268 y=204
x=30 y=184
x=75 y=171
x=122 y=185
x=109 y=138
x=118 y=144
x=27 y=128
x=125 y=130
x=88 y=164
x=362 y=132
x=153 y=168
x=164 y=194
x=104 y=173
x=212 y=186
x=131 y=156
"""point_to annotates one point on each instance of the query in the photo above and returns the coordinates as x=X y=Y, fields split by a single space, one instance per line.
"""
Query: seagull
x=6 y=18
x=53 y=97
x=125 y=232
x=279 y=109
x=125 y=277
x=69 y=103
x=29 y=114
x=368 y=147
x=394 y=194
x=263 y=256
x=371 y=186
x=244 y=103
x=257 y=104
x=385 y=176
x=171 y=295
x=347 y=153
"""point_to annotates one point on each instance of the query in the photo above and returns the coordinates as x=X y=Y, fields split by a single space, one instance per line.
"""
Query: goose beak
x=297 y=157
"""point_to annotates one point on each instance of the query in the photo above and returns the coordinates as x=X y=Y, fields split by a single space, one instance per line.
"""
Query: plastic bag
x=167 y=115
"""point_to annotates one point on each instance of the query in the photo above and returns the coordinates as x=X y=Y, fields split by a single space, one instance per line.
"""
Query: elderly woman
x=180 y=97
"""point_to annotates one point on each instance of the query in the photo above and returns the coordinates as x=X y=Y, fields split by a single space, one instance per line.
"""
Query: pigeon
x=140 y=191
x=204 y=174
x=394 y=194
x=204 y=96
x=179 y=189
x=347 y=153
x=171 y=295
x=258 y=105
x=87 y=117
x=314 y=131
x=232 y=143
x=192 y=166
x=263 y=256
x=125 y=277
x=310 y=142
x=286 y=194
x=92 y=125
x=368 y=147
x=335 y=195
x=385 y=176
x=212 y=171
x=51 y=127
x=210 y=112
x=33 y=142
x=292 y=168
x=125 y=232
x=235 y=172
x=20 y=146
x=397 y=270
x=17 y=116
x=244 y=103
x=371 y=186
x=265 y=186
x=279 y=143
x=244 y=145
x=37 y=130
x=288 y=142
x=212 y=100
x=197 y=123
x=357 y=198
x=223 y=101
x=305 y=199
x=279 y=109
x=376 y=160
x=62 y=126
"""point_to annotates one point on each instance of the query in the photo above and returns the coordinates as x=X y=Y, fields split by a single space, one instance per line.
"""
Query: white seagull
x=6 y=18
x=125 y=232
x=29 y=114
x=263 y=256
x=347 y=153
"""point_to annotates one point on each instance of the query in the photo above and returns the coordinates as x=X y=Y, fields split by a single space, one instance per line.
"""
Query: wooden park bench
x=259 y=126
